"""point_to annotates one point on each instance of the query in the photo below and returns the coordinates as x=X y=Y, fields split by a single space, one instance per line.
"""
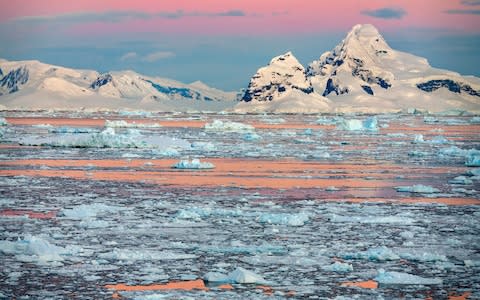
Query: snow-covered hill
x=32 y=85
x=361 y=74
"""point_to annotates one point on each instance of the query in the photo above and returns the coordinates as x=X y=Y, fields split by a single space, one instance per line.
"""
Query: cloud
x=120 y=16
x=463 y=11
x=159 y=55
x=471 y=2
x=129 y=55
x=385 y=13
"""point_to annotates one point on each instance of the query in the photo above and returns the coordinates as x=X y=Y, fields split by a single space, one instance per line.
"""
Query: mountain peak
x=283 y=74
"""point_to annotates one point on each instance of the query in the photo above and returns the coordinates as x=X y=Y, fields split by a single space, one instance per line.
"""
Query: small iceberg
x=338 y=267
x=404 y=278
x=193 y=164
x=369 y=124
x=418 y=188
x=227 y=126
x=473 y=159
x=239 y=275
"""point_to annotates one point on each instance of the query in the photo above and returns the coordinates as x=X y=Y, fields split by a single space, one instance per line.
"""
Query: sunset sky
x=223 y=42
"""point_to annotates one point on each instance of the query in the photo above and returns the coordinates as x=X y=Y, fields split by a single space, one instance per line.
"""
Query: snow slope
x=33 y=85
x=364 y=74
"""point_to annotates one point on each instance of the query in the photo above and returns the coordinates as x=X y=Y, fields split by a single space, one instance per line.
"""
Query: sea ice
x=404 y=278
x=251 y=136
x=339 y=267
x=284 y=219
x=125 y=124
x=227 y=126
x=372 y=219
x=193 y=164
x=71 y=130
x=418 y=139
x=473 y=159
x=369 y=124
x=461 y=180
x=89 y=210
x=418 y=188
x=374 y=254
x=3 y=121
x=239 y=275
x=144 y=254
x=439 y=140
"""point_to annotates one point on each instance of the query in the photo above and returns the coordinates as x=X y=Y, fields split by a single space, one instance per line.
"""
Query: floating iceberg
x=89 y=210
x=108 y=138
x=374 y=254
x=193 y=164
x=461 y=180
x=227 y=126
x=418 y=188
x=404 y=278
x=418 y=139
x=473 y=159
x=284 y=219
x=239 y=275
x=369 y=124
x=339 y=267
x=37 y=249
x=125 y=124
x=251 y=136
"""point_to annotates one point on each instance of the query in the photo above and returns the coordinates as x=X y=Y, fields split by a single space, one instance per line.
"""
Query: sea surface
x=302 y=206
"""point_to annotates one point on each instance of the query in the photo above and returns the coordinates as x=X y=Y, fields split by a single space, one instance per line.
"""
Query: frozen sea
x=135 y=205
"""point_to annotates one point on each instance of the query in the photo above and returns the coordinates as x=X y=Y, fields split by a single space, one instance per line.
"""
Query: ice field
x=153 y=206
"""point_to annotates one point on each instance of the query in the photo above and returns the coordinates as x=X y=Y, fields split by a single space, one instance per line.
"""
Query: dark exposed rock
x=101 y=81
x=451 y=85
x=367 y=89
x=333 y=86
x=14 y=78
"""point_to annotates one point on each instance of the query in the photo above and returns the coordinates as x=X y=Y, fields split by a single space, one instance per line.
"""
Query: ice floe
x=339 y=267
x=393 y=277
x=193 y=164
x=108 y=138
x=90 y=210
x=3 y=121
x=144 y=254
x=284 y=219
x=473 y=159
x=228 y=126
x=239 y=275
x=417 y=188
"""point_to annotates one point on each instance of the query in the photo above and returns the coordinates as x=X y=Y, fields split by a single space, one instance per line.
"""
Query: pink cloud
x=261 y=17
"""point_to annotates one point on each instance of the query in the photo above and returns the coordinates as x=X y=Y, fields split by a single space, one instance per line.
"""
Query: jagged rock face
x=14 y=78
x=284 y=73
x=101 y=81
x=359 y=55
x=451 y=85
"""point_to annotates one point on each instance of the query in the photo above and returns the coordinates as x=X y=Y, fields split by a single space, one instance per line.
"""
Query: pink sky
x=262 y=16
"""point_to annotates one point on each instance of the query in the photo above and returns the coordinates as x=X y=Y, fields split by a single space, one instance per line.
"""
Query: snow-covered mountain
x=362 y=74
x=282 y=86
x=32 y=84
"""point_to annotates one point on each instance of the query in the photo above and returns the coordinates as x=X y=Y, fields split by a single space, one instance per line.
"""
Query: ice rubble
x=193 y=164
x=37 y=249
x=144 y=254
x=227 y=126
x=90 y=210
x=239 y=275
x=108 y=138
x=369 y=124
x=393 y=277
x=125 y=124
x=386 y=254
x=417 y=188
